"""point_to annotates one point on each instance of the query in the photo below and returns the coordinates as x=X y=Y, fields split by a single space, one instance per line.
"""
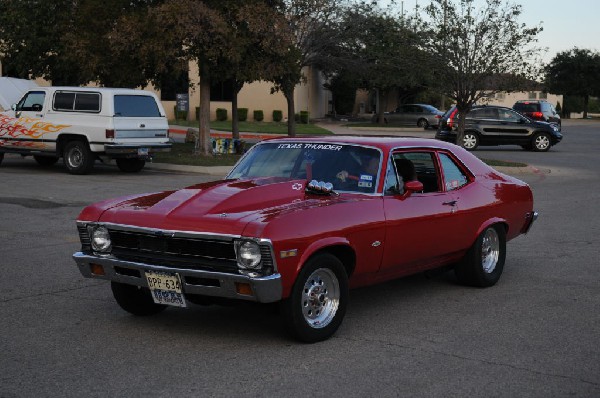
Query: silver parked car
x=421 y=115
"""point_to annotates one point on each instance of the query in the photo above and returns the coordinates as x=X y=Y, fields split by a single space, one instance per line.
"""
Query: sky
x=566 y=23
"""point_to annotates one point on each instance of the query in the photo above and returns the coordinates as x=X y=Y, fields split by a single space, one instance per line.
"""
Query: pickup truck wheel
x=45 y=161
x=483 y=264
x=130 y=165
x=317 y=304
x=78 y=158
x=135 y=299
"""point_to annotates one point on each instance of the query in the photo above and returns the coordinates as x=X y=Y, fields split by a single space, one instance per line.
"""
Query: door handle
x=450 y=203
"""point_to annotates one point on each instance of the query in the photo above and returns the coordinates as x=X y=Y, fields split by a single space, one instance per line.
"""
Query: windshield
x=347 y=167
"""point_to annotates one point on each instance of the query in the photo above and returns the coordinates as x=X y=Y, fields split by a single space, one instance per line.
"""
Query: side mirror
x=13 y=107
x=413 y=186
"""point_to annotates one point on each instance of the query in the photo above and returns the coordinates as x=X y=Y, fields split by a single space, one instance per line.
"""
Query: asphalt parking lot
x=535 y=334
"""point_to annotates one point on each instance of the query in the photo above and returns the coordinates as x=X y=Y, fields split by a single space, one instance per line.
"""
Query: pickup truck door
x=26 y=129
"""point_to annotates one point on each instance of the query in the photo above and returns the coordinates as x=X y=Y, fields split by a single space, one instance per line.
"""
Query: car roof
x=102 y=90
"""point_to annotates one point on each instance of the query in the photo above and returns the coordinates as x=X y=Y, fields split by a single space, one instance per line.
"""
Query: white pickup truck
x=84 y=124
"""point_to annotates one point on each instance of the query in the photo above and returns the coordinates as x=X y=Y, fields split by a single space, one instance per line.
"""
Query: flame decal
x=26 y=127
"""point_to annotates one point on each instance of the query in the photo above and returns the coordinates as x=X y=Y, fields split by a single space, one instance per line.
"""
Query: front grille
x=84 y=237
x=204 y=254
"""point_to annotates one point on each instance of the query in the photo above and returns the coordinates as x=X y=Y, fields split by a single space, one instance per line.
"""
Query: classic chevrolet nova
x=301 y=221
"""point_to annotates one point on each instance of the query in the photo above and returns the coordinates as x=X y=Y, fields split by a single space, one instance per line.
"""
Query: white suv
x=83 y=124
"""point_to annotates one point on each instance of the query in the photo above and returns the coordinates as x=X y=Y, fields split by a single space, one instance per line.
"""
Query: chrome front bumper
x=530 y=219
x=266 y=289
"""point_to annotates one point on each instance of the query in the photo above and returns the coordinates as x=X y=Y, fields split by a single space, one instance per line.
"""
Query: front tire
x=423 y=123
x=319 y=298
x=483 y=264
x=130 y=165
x=541 y=142
x=470 y=141
x=135 y=299
x=78 y=158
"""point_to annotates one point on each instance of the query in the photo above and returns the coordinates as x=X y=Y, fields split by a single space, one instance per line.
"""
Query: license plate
x=165 y=288
x=142 y=151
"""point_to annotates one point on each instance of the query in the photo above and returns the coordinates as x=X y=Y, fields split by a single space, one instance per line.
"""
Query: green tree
x=575 y=72
x=474 y=46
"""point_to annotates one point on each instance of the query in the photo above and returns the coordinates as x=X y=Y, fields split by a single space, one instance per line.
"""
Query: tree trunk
x=382 y=101
x=460 y=132
x=205 y=142
x=235 y=124
x=586 y=102
x=289 y=96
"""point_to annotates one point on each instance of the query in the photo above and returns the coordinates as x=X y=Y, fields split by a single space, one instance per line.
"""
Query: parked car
x=84 y=124
x=538 y=110
x=299 y=221
x=420 y=115
x=498 y=125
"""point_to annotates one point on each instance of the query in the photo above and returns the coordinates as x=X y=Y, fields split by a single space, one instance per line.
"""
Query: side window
x=453 y=176
x=32 y=102
x=508 y=115
x=418 y=166
x=76 y=101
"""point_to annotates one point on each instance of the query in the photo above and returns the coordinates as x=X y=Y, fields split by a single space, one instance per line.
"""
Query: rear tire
x=1 y=157
x=130 y=165
x=423 y=123
x=470 y=141
x=45 y=161
x=78 y=158
x=135 y=299
x=483 y=264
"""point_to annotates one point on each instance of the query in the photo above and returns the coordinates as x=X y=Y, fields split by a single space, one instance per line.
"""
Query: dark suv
x=498 y=125
x=538 y=110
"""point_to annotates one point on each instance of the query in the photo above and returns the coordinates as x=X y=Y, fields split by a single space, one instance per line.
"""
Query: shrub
x=304 y=117
x=242 y=114
x=297 y=117
x=277 y=115
x=221 y=114
x=258 y=116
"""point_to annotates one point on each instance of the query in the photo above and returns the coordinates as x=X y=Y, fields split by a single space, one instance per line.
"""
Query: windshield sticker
x=365 y=181
x=325 y=147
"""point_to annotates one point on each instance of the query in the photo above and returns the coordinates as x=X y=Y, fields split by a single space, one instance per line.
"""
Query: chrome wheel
x=320 y=298
x=490 y=250
x=75 y=157
x=470 y=141
x=541 y=142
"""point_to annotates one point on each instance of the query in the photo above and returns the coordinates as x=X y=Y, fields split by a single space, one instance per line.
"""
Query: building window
x=222 y=91
x=543 y=95
x=500 y=96
x=532 y=95
x=176 y=82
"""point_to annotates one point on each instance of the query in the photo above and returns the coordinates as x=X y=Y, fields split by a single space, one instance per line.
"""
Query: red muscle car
x=300 y=221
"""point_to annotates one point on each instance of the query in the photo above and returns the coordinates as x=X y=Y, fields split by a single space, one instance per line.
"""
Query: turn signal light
x=97 y=269
x=243 y=288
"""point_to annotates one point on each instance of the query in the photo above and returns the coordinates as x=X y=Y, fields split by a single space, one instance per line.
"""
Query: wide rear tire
x=319 y=298
x=135 y=299
x=483 y=264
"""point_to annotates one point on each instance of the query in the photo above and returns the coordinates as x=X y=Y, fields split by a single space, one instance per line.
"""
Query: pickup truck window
x=33 y=101
x=76 y=101
x=136 y=106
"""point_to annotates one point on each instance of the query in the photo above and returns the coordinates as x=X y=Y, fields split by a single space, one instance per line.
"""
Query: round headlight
x=248 y=255
x=101 y=240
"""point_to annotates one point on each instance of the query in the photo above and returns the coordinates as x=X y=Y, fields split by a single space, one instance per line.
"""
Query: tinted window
x=526 y=107
x=87 y=102
x=76 y=101
x=453 y=176
x=136 y=106
x=483 y=113
x=508 y=115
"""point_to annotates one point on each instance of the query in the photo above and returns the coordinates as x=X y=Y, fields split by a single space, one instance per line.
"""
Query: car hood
x=221 y=207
